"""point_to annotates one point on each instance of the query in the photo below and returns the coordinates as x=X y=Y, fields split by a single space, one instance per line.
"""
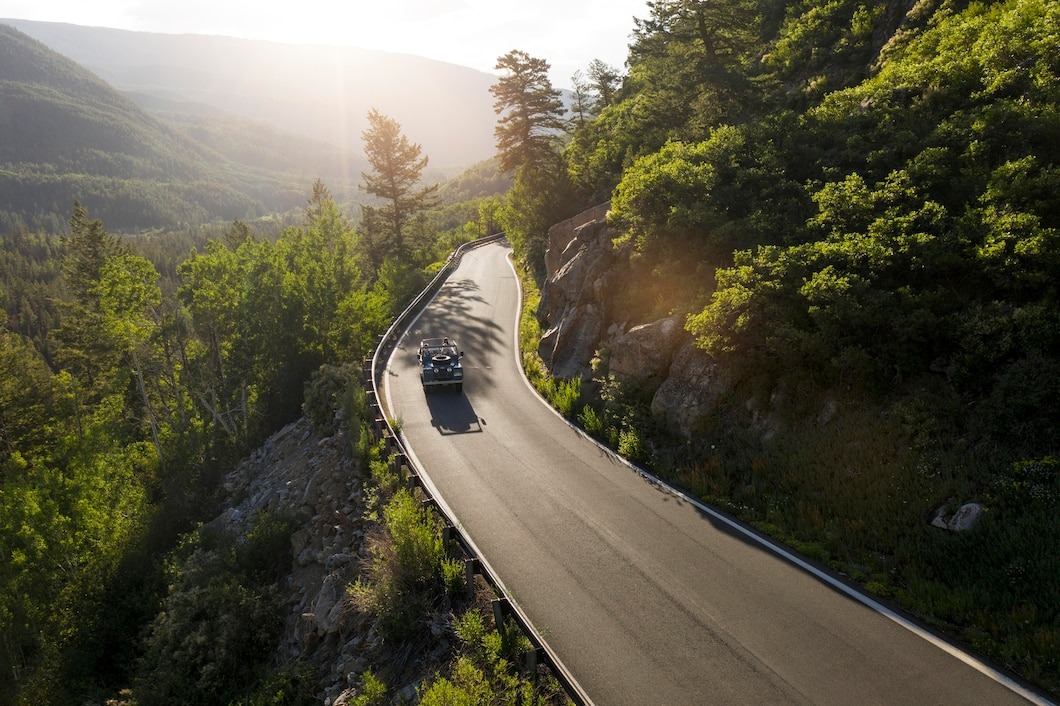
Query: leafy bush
x=630 y=445
x=416 y=538
x=221 y=619
x=373 y=691
x=408 y=569
x=324 y=395
x=486 y=670
x=592 y=421
x=566 y=395
x=294 y=684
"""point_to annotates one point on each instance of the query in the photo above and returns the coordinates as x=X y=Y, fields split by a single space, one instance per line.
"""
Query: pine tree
x=397 y=166
x=531 y=113
x=605 y=80
x=84 y=347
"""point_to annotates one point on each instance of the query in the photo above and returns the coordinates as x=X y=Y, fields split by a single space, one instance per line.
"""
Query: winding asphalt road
x=645 y=596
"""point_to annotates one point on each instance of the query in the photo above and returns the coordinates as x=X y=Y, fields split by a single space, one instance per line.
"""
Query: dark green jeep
x=440 y=364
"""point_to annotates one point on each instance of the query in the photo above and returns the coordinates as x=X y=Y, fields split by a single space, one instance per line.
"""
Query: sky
x=568 y=34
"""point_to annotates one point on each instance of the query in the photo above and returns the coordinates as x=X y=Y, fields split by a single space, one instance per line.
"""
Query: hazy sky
x=566 y=33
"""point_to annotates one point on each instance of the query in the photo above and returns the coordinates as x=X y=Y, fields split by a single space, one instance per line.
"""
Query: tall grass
x=409 y=579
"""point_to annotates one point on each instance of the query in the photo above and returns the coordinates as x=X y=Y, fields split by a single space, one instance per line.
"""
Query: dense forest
x=843 y=199
x=851 y=204
x=136 y=369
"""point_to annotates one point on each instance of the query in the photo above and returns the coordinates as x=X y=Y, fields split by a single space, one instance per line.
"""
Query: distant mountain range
x=320 y=92
x=207 y=128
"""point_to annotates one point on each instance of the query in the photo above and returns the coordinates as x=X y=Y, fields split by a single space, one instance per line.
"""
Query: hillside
x=824 y=295
x=320 y=92
x=68 y=135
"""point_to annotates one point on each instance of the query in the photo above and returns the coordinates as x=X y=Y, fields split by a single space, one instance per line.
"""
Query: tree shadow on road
x=452 y=314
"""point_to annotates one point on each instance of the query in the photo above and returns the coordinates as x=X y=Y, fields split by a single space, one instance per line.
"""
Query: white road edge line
x=955 y=651
x=449 y=511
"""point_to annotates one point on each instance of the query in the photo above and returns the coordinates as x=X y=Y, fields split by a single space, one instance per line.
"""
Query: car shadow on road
x=452 y=413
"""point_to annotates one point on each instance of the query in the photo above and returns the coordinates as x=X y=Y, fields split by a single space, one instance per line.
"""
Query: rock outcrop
x=582 y=276
x=646 y=351
x=297 y=473
x=693 y=389
x=579 y=271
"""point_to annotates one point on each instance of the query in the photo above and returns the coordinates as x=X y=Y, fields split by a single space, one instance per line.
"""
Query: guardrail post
x=448 y=532
x=389 y=442
x=470 y=569
x=500 y=608
x=533 y=658
x=375 y=413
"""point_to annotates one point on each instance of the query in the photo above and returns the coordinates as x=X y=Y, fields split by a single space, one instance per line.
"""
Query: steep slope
x=67 y=135
x=57 y=113
x=320 y=92
x=832 y=306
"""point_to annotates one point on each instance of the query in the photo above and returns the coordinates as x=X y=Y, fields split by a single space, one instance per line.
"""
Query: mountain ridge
x=319 y=91
x=68 y=135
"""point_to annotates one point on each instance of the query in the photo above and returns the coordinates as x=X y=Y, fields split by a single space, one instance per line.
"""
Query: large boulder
x=691 y=392
x=568 y=347
x=572 y=310
x=963 y=520
x=645 y=352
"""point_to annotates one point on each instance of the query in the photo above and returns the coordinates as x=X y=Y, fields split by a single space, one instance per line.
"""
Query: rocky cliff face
x=314 y=479
x=573 y=305
x=582 y=276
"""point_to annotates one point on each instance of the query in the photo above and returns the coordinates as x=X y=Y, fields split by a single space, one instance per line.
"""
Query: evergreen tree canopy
x=531 y=113
x=397 y=166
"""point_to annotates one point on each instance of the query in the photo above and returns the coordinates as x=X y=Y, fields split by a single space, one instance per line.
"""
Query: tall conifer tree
x=530 y=110
x=397 y=166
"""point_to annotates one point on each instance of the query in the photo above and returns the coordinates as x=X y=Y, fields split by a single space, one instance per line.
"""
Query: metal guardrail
x=374 y=369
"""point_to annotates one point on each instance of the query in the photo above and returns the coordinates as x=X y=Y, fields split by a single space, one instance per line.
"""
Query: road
x=645 y=596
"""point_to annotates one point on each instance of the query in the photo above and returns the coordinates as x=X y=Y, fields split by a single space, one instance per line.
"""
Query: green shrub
x=373 y=691
x=265 y=554
x=487 y=669
x=467 y=685
x=292 y=685
x=630 y=445
x=219 y=623
x=384 y=484
x=453 y=575
x=355 y=402
x=877 y=588
x=324 y=394
x=408 y=570
x=592 y=421
x=566 y=395
x=416 y=538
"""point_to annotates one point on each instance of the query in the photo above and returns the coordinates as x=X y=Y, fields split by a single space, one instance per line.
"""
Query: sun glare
x=470 y=33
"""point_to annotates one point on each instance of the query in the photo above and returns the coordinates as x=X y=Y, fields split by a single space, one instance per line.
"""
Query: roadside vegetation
x=852 y=206
x=414 y=587
x=854 y=211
